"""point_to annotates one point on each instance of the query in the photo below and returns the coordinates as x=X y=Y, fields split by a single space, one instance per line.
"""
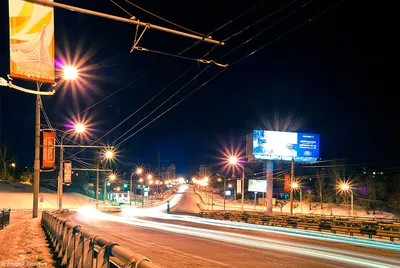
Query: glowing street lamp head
x=112 y=177
x=139 y=171
x=149 y=177
x=295 y=185
x=80 y=128
x=109 y=154
x=233 y=160
x=141 y=180
x=13 y=165
x=70 y=72
x=345 y=186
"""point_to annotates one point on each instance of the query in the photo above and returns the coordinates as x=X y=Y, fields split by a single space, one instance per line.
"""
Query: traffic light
x=108 y=184
x=125 y=185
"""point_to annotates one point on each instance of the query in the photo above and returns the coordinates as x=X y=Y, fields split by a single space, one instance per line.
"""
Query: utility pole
x=36 y=163
x=291 y=189
x=224 y=191
x=242 y=188
x=97 y=183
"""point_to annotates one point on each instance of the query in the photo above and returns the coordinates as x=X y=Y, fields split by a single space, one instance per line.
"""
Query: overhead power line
x=234 y=63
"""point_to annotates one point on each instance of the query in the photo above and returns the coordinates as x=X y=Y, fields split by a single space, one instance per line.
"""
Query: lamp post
x=108 y=155
x=138 y=171
x=233 y=160
x=346 y=187
x=111 y=178
x=78 y=128
x=294 y=186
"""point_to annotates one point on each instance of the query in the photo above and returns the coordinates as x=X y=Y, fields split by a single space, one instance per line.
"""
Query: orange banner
x=286 y=186
x=31 y=41
x=49 y=150
x=67 y=172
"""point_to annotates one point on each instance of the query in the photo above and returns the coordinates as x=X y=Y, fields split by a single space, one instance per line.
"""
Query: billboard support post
x=36 y=162
x=291 y=189
x=270 y=184
x=255 y=201
x=242 y=187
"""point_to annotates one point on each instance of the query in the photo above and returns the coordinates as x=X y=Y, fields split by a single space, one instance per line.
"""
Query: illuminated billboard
x=277 y=145
x=259 y=186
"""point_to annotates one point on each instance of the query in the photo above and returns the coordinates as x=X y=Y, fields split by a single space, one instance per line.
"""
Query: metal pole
x=130 y=192
x=224 y=192
x=352 y=203
x=61 y=175
x=255 y=200
x=242 y=188
x=143 y=196
x=97 y=184
x=291 y=190
x=130 y=21
x=212 y=195
x=301 y=201
x=36 y=162
x=105 y=191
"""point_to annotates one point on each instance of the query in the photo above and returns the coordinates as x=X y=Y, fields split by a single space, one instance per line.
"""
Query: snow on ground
x=23 y=243
x=235 y=205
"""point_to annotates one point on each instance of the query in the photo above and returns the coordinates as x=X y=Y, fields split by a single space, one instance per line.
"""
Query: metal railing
x=76 y=247
x=4 y=217
x=379 y=227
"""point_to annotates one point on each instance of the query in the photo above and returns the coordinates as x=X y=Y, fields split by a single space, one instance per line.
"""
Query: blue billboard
x=278 y=145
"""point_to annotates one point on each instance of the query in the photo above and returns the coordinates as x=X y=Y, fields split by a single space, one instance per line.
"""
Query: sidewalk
x=23 y=243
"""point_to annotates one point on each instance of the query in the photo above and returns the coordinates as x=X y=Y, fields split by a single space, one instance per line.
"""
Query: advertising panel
x=49 y=150
x=31 y=41
x=259 y=186
x=286 y=186
x=67 y=172
x=277 y=145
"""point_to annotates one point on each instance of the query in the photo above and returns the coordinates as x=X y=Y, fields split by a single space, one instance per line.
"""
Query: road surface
x=171 y=240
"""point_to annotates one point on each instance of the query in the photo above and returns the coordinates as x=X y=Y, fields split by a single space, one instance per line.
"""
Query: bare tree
x=320 y=185
x=4 y=162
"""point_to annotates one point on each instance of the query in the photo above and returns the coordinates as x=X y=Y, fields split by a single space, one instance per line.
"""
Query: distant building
x=168 y=172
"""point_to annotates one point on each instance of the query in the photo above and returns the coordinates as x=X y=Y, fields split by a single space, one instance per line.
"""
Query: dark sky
x=331 y=74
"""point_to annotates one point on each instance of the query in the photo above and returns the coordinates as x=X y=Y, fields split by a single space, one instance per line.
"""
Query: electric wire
x=205 y=70
x=168 y=61
x=123 y=9
x=209 y=66
x=237 y=61
x=161 y=18
x=197 y=42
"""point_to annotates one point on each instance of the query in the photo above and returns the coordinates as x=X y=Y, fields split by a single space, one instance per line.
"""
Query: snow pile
x=23 y=243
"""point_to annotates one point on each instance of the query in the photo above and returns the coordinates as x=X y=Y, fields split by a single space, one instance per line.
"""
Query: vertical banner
x=31 y=41
x=49 y=150
x=286 y=186
x=67 y=172
x=238 y=186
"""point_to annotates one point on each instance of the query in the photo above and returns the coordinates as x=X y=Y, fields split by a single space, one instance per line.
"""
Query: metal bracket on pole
x=136 y=41
x=9 y=84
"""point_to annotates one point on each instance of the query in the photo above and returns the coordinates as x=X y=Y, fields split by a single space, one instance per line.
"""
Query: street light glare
x=295 y=185
x=70 y=72
x=109 y=154
x=345 y=187
x=149 y=176
x=139 y=171
x=233 y=160
x=112 y=177
x=80 y=128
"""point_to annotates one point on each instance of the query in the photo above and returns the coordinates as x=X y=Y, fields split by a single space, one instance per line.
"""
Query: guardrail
x=76 y=247
x=389 y=228
x=4 y=217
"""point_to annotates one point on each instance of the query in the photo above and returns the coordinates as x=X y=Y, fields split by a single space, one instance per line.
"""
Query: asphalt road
x=186 y=241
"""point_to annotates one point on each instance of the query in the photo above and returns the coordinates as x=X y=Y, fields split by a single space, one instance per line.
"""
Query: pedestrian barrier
x=4 y=217
x=75 y=247
x=382 y=228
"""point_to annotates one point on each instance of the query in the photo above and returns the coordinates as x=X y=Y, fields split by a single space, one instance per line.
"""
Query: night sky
x=331 y=75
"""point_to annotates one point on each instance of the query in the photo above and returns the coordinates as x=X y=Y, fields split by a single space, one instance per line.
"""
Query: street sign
x=67 y=172
x=49 y=150
x=286 y=186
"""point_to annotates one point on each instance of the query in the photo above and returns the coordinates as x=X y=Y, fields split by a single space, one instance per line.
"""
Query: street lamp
x=112 y=178
x=70 y=72
x=138 y=172
x=346 y=187
x=234 y=161
x=105 y=154
x=294 y=186
x=77 y=128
